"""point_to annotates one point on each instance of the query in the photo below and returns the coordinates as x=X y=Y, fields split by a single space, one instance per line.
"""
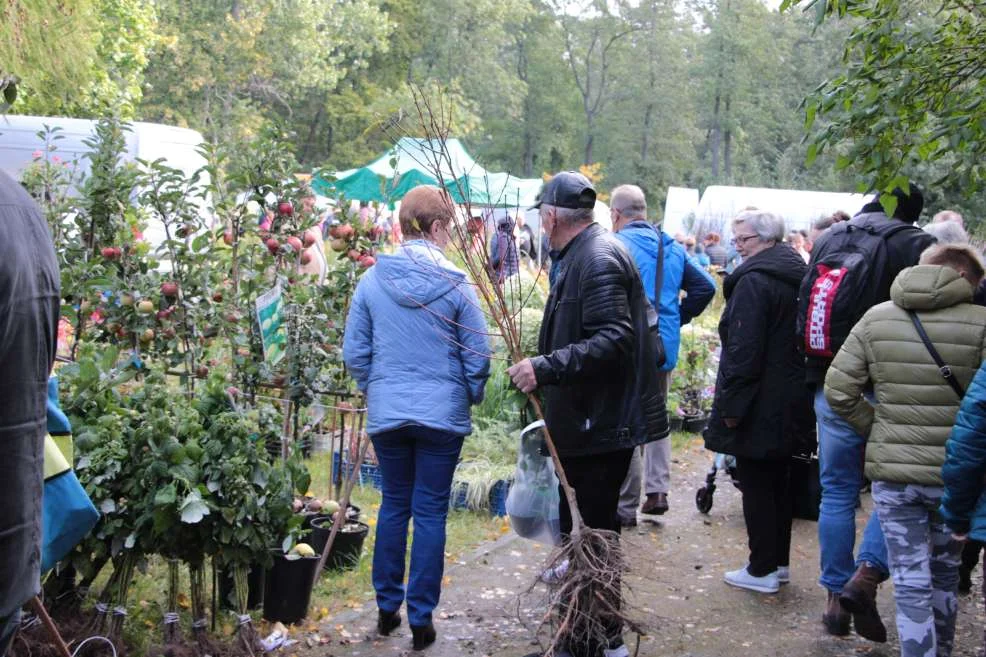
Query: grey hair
x=574 y=216
x=767 y=225
x=629 y=201
x=948 y=232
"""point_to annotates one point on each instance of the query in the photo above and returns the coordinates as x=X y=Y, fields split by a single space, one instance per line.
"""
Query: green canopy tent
x=413 y=162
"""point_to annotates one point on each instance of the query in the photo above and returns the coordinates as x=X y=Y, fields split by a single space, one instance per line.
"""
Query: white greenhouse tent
x=720 y=203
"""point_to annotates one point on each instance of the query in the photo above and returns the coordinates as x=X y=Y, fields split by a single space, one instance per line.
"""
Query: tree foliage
x=46 y=41
x=909 y=97
x=660 y=92
x=83 y=58
x=225 y=67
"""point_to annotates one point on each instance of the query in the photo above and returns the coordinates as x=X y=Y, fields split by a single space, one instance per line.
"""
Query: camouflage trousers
x=924 y=563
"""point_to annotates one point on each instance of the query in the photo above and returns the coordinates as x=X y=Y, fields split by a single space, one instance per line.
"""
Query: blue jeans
x=416 y=467
x=840 y=460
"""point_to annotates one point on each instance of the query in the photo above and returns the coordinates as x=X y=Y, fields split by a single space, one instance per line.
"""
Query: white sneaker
x=783 y=574
x=743 y=579
x=555 y=574
x=619 y=651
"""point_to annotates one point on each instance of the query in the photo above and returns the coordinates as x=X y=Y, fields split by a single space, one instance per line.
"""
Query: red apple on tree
x=110 y=252
x=273 y=245
x=295 y=243
x=285 y=209
x=169 y=289
x=228 y=237
x=306 y=258
x=308 y=239
x=346 y=231
x=367 y=261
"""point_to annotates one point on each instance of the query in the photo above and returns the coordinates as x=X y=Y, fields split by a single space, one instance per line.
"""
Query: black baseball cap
x=568 y=189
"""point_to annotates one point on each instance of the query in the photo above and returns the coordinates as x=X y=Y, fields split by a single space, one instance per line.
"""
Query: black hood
x=780 y=261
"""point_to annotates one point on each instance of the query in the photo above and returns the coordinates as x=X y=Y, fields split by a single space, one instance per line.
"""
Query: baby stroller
x=703 y=496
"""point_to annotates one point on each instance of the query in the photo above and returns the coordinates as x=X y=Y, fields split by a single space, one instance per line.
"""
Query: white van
x=20 y=141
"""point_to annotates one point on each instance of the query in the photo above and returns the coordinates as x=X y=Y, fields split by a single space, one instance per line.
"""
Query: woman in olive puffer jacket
x=909 y=425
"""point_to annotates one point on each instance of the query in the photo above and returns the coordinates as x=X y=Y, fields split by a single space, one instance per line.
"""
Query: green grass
x=338 y=591
x=681 y=439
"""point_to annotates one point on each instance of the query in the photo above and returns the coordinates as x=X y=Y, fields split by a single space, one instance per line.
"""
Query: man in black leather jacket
x=596 y=369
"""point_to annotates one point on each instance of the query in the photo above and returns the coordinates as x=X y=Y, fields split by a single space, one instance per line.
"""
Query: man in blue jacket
x=628 y=209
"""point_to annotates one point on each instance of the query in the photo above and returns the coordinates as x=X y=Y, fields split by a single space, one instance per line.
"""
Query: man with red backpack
x=851 y=268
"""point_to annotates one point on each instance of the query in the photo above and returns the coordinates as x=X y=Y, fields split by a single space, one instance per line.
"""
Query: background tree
x=82 y=58
x=224 y=67
x=649 y=134
x=593 y=32
x=660 y=91
x=539 y=133
x=908 y=100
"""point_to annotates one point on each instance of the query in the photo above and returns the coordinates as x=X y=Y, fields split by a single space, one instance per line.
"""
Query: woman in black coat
x=762 y=407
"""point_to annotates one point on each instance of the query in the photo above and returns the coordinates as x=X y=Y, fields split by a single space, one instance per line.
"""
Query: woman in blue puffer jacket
x=963 y=505
x=416 y=344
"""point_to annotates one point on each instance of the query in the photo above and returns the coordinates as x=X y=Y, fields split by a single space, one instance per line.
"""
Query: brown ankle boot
x=835 y=618
x=859 y=599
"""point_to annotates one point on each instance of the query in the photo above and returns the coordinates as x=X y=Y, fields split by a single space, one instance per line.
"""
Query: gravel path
x=676 y=585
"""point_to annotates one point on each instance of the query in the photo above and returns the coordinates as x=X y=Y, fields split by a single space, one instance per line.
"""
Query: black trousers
x=766 y=488
x=597 y=480
x=970 y=554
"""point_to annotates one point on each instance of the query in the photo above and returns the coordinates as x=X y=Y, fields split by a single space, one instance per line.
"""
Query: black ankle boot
x=387 y=621
x=965 y=580
x=422 y=636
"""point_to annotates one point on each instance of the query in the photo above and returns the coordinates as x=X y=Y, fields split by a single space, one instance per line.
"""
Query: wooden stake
x=39 y=609
x=340 y=520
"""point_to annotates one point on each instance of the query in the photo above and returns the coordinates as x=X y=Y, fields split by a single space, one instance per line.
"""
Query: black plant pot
x=352 y=513
x=288 y=590
x=347 y=548
x=255 y=584
x=695 y=423
x=675 y=423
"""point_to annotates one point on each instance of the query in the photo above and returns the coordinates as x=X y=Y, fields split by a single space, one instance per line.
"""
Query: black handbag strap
x=659 y=273
x=945 y=370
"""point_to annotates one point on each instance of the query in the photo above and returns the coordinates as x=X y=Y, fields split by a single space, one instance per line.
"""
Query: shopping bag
x=67 y=513
x=532 y=503
x=806 y=487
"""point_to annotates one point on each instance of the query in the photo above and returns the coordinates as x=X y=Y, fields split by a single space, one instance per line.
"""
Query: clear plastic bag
x=532 y=502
